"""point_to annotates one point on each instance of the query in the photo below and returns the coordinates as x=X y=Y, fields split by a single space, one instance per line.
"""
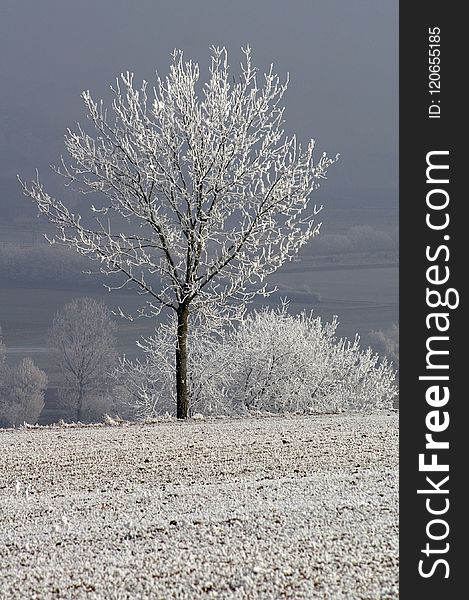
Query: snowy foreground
x=281 y=507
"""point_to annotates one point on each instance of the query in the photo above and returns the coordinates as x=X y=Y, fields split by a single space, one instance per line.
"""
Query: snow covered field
x=281 y=507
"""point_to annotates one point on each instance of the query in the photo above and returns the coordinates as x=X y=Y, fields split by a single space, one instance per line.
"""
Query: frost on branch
x=151 y=382
x=203 y=194
x=296 y=363
x=271 y=361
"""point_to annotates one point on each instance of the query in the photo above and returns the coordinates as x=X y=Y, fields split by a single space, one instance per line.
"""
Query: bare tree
x=82 y=336
x=215 y=194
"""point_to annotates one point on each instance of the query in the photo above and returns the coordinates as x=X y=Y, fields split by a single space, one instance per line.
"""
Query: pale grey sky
x=342 y=56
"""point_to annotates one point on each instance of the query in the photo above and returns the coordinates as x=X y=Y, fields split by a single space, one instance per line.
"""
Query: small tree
x=25 y=394
x=82 y=337
x=21 y=393
x=216 y=196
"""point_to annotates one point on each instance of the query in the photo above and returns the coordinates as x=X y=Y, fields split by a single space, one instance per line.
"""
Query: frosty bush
x=281 y=362
x=21 y=393
x=272 y=361
x=109 y=402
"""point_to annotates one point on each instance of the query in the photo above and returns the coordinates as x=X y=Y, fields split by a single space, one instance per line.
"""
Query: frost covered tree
x=203 y=193
x=23 y=399
x=21 y=391
x=82 y=338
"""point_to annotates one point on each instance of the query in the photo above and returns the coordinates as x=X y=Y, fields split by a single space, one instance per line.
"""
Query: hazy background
x=342 y=58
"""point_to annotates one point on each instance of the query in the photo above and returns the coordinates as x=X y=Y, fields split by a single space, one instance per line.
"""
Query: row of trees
x=357 y=239
x=269 y=361
x=42 y=264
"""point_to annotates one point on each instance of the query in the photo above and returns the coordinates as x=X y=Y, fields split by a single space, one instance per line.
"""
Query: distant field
x=364 y=297
x=239 y=509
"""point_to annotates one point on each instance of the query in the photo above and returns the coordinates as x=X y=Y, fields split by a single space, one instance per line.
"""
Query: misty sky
x=341 y=54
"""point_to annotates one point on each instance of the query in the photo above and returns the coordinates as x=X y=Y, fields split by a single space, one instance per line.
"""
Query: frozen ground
x=285 y=507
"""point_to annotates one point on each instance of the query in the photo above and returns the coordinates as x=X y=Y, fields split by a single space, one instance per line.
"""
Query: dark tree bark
x=182 y=396
x=80 y=403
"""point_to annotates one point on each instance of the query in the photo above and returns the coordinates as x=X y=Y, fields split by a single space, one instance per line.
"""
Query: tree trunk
x=79 y=403
x=182 y=402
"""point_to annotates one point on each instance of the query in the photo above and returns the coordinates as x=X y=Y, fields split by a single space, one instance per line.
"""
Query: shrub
x=151 y=383
x=272 y=361
x=281 y=362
